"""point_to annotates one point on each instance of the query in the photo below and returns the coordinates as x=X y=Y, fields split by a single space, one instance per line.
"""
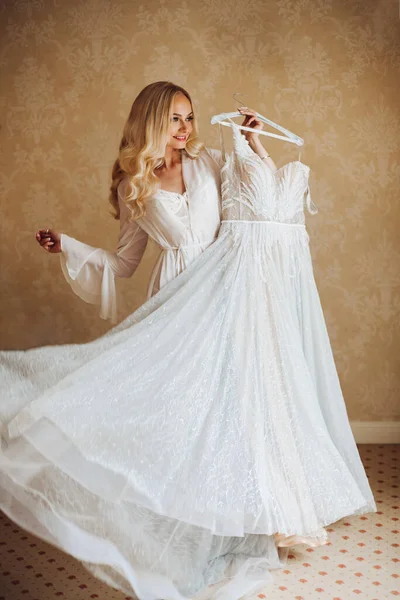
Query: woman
x=165 y=185
x=172 y=452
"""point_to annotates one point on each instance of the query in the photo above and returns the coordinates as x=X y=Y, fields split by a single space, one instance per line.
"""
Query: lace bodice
x=252 y=192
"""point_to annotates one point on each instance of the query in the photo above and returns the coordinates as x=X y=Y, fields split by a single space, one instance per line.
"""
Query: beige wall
x=327 y=69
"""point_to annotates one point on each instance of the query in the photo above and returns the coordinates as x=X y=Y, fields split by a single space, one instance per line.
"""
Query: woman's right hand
x=49 y=239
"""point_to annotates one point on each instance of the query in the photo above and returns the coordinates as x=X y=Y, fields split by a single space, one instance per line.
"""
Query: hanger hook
x=236 y=100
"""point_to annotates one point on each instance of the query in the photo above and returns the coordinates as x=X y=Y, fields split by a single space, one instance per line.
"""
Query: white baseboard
x=376 y=432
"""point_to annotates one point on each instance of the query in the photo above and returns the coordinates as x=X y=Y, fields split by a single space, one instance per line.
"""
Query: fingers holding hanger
x=250 y=120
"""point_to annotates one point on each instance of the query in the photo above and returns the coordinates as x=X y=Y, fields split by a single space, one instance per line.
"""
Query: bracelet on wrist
x=264 y=157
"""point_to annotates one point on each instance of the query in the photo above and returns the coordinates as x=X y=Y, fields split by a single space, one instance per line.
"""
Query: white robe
x=183 y=225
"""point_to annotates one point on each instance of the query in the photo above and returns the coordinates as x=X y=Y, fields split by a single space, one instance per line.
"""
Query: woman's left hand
x=251 y=121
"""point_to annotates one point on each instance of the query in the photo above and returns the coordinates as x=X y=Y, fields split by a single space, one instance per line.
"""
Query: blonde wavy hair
x=143 y=144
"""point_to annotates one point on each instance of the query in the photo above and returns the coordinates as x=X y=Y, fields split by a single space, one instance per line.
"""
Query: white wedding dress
x=166 y=454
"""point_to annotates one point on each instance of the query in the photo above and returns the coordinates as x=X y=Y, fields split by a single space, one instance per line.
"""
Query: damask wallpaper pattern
x=327 y=69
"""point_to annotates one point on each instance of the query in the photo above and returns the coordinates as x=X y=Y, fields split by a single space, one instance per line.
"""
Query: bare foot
x=285 y=541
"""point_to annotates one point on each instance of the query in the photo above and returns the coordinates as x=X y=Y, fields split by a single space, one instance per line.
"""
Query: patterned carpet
x=361 y=560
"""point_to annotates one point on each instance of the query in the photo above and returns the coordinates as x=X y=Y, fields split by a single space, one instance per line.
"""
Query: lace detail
x=246 y=181
x=251 y=191
x=177 y=203
x=168 y=193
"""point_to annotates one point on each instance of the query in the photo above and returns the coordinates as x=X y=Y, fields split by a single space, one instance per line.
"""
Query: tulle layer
x=206 y=422
x=132 y=548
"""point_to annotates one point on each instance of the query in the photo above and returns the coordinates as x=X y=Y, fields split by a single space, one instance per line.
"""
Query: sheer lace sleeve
x=91 y=271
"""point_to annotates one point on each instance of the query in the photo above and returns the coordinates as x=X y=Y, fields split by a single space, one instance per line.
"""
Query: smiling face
x=181 y=118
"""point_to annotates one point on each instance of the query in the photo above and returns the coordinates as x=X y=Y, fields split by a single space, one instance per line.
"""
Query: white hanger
x=288 y=137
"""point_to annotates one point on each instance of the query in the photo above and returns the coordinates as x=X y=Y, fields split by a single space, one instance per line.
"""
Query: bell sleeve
x=91 y=271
